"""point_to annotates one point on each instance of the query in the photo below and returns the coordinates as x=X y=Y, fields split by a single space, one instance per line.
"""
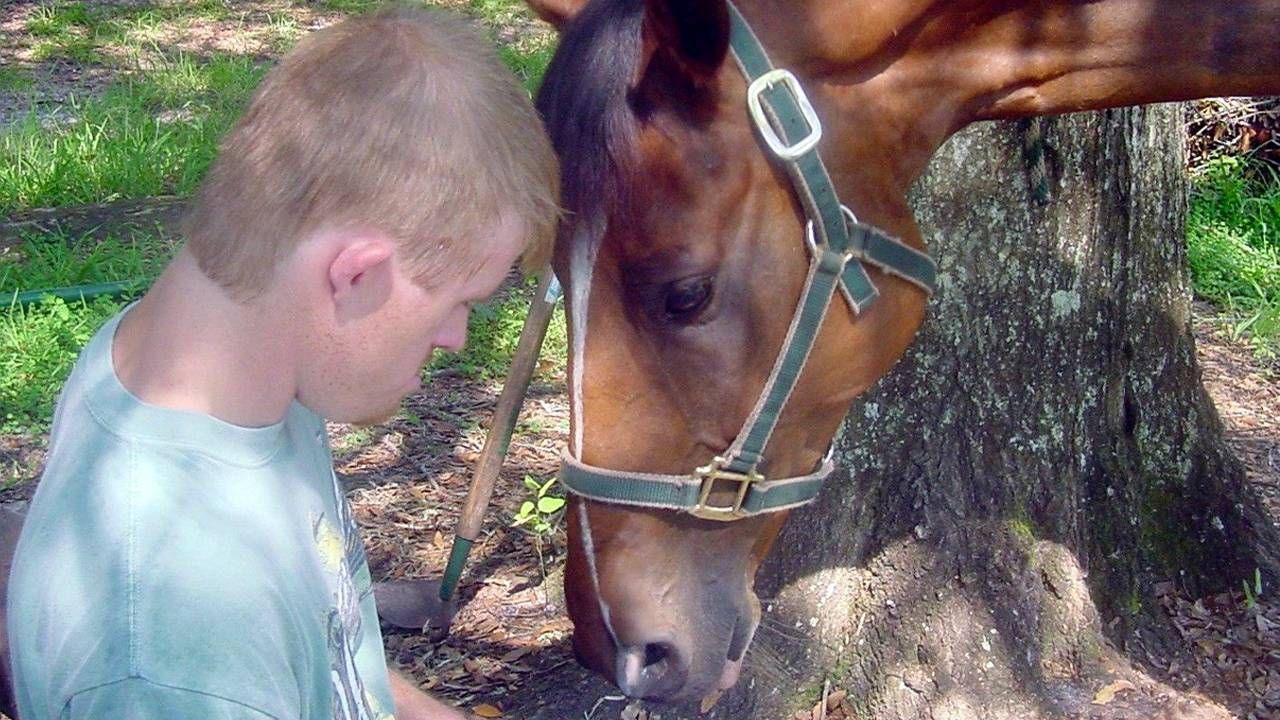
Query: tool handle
x=507 y=409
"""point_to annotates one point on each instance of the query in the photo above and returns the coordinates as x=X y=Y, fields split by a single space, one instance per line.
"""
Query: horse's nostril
x=655 y=653
x=652 y=671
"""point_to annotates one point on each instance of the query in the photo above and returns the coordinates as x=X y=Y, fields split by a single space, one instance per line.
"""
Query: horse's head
x=684 y=257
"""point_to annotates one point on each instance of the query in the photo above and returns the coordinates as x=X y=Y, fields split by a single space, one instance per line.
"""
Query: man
x=189 y=552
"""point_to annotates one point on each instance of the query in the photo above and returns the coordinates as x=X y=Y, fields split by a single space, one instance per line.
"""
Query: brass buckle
x=711 y=473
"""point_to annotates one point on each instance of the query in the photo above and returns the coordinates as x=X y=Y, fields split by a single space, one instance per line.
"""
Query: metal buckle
x=775 y=143
x=708 y=475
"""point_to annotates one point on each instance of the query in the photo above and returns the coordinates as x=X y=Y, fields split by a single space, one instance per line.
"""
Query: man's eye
x=686 y=298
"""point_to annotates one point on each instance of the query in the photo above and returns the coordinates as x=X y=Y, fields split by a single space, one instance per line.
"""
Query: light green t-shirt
x=175 y=566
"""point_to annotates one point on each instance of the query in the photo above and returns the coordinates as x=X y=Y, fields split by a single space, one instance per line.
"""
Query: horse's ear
x=685 y=43
x=556 y=12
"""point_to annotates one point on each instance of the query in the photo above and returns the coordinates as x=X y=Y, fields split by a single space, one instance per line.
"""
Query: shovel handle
x=499 y=437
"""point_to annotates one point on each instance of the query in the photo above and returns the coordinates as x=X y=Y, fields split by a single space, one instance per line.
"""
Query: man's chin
x=377 y=419
x=367 y=418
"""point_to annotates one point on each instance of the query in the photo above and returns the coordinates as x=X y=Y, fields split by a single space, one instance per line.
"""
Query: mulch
x=1233 y=647
x=406 y=485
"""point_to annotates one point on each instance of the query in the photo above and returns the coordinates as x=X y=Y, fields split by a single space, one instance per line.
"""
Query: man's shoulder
x=166 y=577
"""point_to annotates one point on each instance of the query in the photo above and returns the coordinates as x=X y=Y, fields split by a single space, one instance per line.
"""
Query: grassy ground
x=171 y=77
x=1233 y=244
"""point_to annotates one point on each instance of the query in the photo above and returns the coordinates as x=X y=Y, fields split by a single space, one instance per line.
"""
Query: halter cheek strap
x=729 y=487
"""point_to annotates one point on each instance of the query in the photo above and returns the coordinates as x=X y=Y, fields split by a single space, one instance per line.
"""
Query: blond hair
x=404 y=120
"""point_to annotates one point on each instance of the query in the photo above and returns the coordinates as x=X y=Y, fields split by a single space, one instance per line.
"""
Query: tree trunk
x=1041 y=458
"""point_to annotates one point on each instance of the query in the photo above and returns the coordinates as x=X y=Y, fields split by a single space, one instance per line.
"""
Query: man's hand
x=413 y=704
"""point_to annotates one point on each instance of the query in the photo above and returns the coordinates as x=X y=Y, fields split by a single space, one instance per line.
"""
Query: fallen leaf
x=486 y=711
x=1109 y=692
x=633 y=711
x=516 y=654
x=709 y=701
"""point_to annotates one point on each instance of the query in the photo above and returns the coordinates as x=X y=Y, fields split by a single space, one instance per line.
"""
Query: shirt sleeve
x=139 y=699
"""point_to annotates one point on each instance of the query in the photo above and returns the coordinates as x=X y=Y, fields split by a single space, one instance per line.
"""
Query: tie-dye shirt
x=175 y=566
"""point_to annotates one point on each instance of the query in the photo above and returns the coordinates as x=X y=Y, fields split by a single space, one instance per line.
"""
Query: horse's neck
x=905 y=74
x=1016 y=58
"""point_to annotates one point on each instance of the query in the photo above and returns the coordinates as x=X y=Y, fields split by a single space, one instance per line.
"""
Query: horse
x=740 y=260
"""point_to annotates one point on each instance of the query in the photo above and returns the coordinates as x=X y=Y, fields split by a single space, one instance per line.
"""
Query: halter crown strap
x=839 y=245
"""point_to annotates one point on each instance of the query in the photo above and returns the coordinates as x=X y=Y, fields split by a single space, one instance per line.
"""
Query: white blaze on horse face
x=589 y=549
x=582 y=265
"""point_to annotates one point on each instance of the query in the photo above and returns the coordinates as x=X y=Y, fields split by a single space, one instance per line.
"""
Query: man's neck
x=187 y=345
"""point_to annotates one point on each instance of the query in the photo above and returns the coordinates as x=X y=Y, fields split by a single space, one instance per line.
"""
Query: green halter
x=838 y=246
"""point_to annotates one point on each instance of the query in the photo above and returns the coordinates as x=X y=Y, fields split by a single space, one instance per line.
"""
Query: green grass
x=38 y=345
x=56 y=260
x=154 y=134
x=15 y=80
x=1233 y=246
x=348 y=7
x=107 y=34
x=67 y=32
x=528 y=64
x=493 y=331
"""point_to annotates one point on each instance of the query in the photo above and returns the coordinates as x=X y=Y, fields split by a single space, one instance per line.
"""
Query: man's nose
x=452 y=335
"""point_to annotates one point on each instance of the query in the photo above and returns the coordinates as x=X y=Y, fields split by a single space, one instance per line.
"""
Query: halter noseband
x=838 y=246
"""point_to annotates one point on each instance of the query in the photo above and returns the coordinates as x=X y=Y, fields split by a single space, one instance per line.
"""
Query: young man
x=189 y=553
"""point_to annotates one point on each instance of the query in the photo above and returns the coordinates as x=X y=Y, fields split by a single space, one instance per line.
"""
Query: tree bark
x=1041 y=458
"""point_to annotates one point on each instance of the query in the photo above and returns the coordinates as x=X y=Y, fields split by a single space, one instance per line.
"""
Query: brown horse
x=684 y=253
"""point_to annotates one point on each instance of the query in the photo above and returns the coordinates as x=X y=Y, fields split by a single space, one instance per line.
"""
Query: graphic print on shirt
x=351 y=701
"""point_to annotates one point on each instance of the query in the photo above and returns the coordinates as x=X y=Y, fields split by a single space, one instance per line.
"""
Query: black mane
x=583 y=102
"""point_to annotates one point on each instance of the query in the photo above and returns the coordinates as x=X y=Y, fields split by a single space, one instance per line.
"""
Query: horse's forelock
x=583 y=101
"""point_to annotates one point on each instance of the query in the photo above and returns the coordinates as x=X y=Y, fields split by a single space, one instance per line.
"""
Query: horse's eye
x=685 y=298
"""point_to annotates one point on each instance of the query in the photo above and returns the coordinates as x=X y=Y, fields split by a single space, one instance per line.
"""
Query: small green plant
x=536 y=513
x=353 y=439
x=1252 y=593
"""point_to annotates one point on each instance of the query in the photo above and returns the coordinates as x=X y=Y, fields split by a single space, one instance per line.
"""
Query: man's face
x=361 y=369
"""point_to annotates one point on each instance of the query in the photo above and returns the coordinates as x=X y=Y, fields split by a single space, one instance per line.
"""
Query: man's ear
x=556 y=12
x=684 y=44
x=361 y=275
